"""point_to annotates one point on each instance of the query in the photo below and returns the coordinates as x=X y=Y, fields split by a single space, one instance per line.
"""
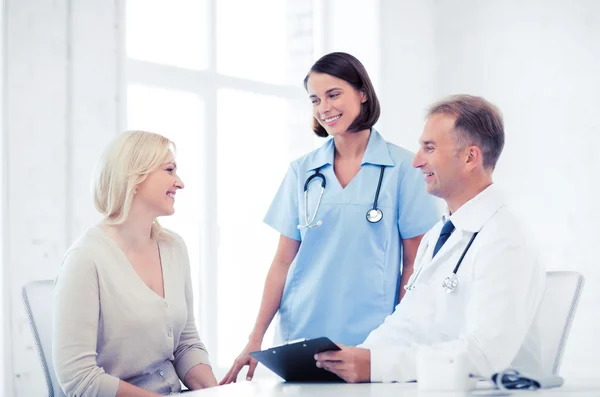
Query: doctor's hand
x=352 y=364
x=241 y=361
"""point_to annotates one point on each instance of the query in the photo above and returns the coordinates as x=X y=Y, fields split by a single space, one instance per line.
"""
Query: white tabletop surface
x=276 y=388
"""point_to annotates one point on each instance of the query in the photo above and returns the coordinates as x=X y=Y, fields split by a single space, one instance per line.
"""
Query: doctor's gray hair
x=348 y=68
x=478 y=123
x=124 y=165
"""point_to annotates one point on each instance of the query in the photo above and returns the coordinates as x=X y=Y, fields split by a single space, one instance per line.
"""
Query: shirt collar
x=322 y=156
x=377 y=153
x=475 y=213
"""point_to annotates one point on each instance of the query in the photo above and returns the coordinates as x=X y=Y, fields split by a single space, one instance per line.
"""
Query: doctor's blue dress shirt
x=345 y=277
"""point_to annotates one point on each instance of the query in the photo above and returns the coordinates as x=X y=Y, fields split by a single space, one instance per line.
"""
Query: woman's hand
x=241 y=361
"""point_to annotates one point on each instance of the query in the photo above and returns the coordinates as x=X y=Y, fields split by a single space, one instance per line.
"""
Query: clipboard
x=295 y=361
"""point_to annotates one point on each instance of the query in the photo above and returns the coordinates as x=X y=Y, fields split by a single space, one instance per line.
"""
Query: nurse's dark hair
x=478 y=123
x=348 y=68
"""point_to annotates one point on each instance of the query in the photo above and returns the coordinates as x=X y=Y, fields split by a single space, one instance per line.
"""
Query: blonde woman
x=123 y=316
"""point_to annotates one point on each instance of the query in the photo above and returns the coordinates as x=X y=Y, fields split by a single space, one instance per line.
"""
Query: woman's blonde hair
x=125 y=164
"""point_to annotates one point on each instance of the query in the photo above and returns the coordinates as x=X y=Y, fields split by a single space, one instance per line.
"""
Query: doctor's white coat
x=489 y=315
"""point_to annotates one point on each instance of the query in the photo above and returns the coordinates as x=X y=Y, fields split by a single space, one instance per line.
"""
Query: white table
x=275 y=388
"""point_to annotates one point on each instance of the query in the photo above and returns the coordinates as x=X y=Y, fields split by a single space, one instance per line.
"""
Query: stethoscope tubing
x=464 y=253
x=309 y=223
x=317 y=174
x=456 y=267
x=378 y=187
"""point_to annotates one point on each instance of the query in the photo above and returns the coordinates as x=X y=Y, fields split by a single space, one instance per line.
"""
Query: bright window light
x=252 y=39
x=168 y=32
x=252 y=160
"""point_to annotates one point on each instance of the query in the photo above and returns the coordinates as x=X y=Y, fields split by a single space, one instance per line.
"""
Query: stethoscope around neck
x=451 y=282
x=373 y=215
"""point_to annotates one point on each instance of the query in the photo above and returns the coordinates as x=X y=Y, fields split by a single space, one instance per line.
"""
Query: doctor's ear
x=363 y=96
x=474 y=156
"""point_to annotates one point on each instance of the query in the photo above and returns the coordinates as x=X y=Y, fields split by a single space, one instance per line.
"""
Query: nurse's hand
x=240 y=362
x=352 y=364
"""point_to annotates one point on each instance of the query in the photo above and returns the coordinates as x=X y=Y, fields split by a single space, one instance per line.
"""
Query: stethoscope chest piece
x=374 y=215
x=450 y=283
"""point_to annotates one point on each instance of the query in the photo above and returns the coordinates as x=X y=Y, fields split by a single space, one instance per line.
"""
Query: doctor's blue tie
x=444 y=234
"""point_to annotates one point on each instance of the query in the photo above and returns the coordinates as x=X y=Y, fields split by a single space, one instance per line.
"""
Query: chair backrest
x=555 y=315
x=37 y=297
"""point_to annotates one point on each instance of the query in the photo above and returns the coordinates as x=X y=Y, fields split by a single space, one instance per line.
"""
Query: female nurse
x=351 y=215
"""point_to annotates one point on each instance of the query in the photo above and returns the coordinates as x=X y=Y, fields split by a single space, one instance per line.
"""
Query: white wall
x=353 y=26
x=539 y=61
x=62 y=85
x=408 y=79
x=3 y=302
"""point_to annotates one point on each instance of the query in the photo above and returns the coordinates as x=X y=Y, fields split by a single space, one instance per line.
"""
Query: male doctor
x=486 y=308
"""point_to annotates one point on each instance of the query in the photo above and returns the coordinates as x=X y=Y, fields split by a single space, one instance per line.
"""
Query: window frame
x=206 y=84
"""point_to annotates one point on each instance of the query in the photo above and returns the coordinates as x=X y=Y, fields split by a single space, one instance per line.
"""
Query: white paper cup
x=442 y=369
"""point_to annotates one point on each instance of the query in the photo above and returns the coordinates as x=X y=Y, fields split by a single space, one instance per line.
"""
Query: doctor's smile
x=428 y=176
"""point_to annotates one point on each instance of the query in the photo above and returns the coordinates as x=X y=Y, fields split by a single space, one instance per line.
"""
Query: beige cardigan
x=108 y=325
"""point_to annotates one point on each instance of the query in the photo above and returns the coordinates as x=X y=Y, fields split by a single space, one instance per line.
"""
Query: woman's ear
x=363 y=96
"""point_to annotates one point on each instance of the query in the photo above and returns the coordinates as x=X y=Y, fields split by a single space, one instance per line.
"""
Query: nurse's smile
x=331 y=120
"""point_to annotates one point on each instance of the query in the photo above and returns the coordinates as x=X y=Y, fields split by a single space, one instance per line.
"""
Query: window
x=235 y=106
x=238 y=53
x=168 y=32
x=178 y=116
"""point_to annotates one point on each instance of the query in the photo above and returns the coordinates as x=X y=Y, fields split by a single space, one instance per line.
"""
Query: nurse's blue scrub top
x=345 y=277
